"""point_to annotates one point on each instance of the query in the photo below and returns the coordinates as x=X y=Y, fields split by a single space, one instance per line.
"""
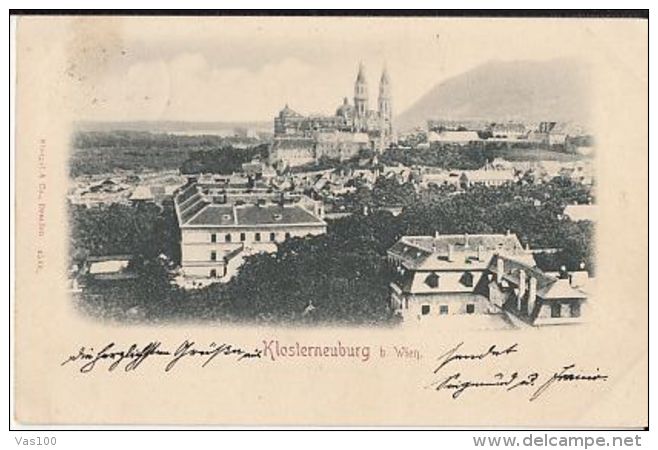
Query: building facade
x=445 y=275
x=219 y=227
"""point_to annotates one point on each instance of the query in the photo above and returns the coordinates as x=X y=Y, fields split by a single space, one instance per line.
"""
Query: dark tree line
x=147 y=140
x=144 y=230
x=339 y=277
x=225 y=161
x=445 y=156
x=103 y=152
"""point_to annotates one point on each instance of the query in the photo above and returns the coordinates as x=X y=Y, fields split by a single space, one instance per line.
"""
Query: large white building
x=218 y=229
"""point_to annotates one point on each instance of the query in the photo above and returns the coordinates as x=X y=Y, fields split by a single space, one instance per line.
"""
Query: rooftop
x=548 y=287
x=581 y=212
x=198 y=210
x=455 y=251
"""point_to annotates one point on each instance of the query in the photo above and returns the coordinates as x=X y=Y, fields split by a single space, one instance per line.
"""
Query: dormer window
x=432 y=280
x=467 y=279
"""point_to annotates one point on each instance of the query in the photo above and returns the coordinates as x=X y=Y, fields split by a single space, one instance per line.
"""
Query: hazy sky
x=241 y=69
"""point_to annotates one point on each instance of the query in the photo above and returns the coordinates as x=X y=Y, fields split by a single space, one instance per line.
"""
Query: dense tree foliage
x=473 y=156
x=143 y=230
x=339 y=277
x=103 y=152
x=386 y=192
x=147 y=140
x=445 y=156
x=533 y=212
x=225 y=161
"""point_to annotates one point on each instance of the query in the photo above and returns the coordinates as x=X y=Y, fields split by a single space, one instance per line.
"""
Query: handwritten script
x=536 y=382
x=128 y=359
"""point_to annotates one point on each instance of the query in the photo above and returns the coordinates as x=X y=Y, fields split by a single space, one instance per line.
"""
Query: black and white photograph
x=343 y=219
x=295 y=184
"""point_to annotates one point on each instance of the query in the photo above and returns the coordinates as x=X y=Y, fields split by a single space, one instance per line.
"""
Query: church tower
x=384 y=103
x=361 y=98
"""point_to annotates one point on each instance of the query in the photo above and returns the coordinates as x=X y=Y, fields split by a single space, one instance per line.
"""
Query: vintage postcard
x=331 y=221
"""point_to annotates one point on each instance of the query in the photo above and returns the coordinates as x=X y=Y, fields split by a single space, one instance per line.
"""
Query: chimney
x=480 y=253
x=465 y=240
x=508 y=233
x=500 y=268
x=451 y=252
x=436 y=235
x=563 y=274
x=532 y=295
x=522 y=282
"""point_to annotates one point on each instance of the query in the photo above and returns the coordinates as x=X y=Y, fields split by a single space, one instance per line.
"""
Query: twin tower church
x=301 y=139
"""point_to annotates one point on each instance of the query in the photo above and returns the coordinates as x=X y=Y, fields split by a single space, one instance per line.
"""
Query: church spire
x=361 y=77
x=385 y=78
x=385 y=102
x=361 y=93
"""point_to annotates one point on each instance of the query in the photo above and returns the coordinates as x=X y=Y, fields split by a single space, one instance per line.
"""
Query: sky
x=247 y=69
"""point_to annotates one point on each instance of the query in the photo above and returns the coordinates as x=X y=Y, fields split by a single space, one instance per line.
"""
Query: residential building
x=445 y=275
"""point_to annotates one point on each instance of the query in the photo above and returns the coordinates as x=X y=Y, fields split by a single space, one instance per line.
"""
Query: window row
x=258 y=237
x=556 y=310
x=433 y=280
x=443 y=309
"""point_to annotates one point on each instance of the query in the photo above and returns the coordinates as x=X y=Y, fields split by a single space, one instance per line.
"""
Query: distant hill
x=527 y=91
